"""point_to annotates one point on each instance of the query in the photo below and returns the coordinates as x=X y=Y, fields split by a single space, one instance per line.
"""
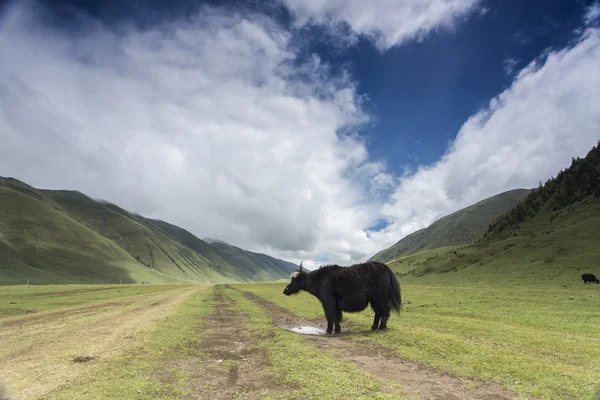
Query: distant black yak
x=350 y=289
x=591 y=278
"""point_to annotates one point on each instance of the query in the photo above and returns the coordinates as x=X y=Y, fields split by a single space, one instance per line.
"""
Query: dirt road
x=227 y=365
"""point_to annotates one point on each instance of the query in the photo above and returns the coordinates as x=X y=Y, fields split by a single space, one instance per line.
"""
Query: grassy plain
x=153 y=342
x=22 y=300
x=539 y=341
x=132 y=373
x=171 y=341
x=37 y=347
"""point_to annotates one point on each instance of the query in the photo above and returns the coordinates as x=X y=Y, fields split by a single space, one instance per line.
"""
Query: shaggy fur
x=591 y=278
x=350 y=289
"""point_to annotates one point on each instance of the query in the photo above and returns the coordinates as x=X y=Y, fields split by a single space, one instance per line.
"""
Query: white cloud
x=592 y=13
x=382 y=183
x=386 y=22
x=526 y=135
x=212 y=123
x=208 y=123
x=510 y=65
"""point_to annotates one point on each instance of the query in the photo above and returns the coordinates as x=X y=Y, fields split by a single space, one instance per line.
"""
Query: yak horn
x=301 y=266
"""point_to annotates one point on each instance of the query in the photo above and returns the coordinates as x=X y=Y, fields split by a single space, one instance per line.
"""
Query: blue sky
x=452 y=73
x=309 y=130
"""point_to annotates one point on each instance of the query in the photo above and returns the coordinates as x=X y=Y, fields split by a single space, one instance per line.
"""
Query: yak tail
x=394 y=296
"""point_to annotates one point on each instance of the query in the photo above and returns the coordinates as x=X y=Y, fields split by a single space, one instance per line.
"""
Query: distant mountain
x=58 y=236
x=249 y=265
x=461 y=227
x=552 y=235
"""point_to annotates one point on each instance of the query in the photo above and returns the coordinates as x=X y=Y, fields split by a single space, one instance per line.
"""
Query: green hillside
x=249 y=265
x=550 y=236
x=66 y=237
x=462 y=227
x=558 y=195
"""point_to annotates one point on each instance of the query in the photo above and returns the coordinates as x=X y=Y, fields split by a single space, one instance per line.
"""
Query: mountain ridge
x=111 y=244
x=550 y=236
x=460 y=227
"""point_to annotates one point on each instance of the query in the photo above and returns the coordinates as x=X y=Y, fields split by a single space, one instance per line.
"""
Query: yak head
x=296 y=282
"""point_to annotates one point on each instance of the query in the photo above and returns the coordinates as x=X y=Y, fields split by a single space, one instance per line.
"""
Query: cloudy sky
x=316 y=130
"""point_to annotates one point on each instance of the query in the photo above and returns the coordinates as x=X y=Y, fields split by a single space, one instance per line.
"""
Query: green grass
x=313 y=374
x=596 y=395
x=28 y=299
x=533 y=340
x=461 y=227
x=133 y=375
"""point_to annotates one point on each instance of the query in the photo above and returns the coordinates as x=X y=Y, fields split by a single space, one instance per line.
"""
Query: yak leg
x=379 y=312
x=376 y=322
x=383 y=325
x=384 y=319
x=338 y=315
x=330 y=313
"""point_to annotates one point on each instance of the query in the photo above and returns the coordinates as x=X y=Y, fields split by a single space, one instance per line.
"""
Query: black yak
x=591 y=278
x=350 y=289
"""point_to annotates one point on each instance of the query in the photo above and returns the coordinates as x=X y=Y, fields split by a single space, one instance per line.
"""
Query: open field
x=231 y=341
x=543 y=342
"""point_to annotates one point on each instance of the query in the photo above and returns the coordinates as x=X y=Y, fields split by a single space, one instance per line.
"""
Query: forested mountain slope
x=552 y=235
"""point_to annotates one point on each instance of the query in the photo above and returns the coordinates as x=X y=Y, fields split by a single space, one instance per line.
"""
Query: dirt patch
x=418 y=380
x=83 y=359
x=227 y=364
x=160 y=302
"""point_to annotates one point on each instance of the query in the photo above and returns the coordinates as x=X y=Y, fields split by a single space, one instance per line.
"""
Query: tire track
x=226 y=364
x=44 y=316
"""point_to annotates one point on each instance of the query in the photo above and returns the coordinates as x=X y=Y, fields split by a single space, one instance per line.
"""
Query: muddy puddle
x=307 y=330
